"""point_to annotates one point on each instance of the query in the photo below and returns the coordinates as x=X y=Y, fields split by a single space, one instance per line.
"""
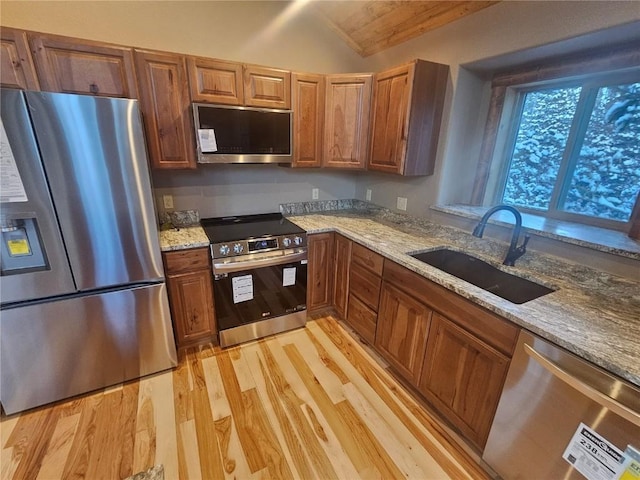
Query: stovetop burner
x=252 y=234
x=245 y=227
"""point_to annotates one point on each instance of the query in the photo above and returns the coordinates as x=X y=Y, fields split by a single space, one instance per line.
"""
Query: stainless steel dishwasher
x=560 y=417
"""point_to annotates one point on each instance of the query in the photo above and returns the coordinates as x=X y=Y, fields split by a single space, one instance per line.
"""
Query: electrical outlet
x=314 y=194
x=167 y=201
x=368 y=195
x=402 y=203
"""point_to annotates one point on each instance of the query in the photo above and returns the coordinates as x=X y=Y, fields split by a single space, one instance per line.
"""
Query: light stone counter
x=593 y=314
x=182 y=238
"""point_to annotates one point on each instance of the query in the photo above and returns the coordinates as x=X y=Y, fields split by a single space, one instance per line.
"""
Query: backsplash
x=300 y=208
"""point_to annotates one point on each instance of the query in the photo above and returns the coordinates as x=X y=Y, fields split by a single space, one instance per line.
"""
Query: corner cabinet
x=16 y=68
x=166 y=108
x=346 y=132
x=341 y=266
x=407 y=112
x=308 y=95
x=190 y=295
x=320 y=271
x=69 y=65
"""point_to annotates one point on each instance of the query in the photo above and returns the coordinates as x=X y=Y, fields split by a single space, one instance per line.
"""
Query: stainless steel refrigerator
x=83 y=303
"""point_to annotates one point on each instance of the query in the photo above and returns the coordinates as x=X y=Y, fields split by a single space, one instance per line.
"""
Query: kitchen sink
x=481 y=274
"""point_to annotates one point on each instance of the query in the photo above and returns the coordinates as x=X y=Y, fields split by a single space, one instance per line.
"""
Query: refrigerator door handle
x=585 y=389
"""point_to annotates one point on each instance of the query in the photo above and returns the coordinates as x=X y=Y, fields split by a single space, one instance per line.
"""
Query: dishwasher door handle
x=584 y=388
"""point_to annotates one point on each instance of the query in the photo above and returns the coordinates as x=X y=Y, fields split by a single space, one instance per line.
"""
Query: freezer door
x=50 y=351
x=95 y=158
x=34 y=262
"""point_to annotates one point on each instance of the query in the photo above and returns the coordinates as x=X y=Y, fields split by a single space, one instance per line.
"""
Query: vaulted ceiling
x=370 y=26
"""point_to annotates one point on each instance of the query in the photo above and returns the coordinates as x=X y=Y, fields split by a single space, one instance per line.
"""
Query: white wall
x=255 y=32
x=508 y=32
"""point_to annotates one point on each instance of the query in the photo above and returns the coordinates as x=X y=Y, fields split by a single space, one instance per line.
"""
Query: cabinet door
x=342 y=259
x=191 y=298
x=215 y=81
x=308 y=119
x=16 y=67
x=346 y=136
x=267 y=87
x=407 y=113
x=69 y=65
x=320 y=271
x=164 y=101
x=463 y=378
x=401 y=332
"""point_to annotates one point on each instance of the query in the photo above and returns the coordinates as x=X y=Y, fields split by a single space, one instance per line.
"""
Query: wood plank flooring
x=307 y=404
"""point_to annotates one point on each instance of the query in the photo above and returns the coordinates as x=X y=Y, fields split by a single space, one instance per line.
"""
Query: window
x=562 y=140
x=576 y=151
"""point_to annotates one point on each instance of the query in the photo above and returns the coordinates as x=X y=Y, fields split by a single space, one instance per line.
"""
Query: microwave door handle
x=585 y=389
x=219 y=268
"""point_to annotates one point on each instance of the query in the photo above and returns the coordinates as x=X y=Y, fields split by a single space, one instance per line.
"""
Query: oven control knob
x=224 y=249
x=297 y=240
x=286 y=241
x=238 y=248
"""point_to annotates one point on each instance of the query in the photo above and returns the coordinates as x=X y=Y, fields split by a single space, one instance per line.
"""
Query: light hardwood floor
x=304 y=404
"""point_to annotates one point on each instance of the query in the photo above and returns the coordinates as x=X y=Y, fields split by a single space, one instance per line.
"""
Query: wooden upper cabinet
x=407 y=112
x=308 y=119
x=346 y=135
x=463 y=377
x=267 y=87
x=16 y=68
x=215 y=81
x=165 y=105
x=70 y=65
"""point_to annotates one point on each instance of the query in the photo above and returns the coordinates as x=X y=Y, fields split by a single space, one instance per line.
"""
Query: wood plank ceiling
x=370 y=26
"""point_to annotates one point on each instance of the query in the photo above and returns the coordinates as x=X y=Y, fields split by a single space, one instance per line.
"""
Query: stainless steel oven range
x=260 y=275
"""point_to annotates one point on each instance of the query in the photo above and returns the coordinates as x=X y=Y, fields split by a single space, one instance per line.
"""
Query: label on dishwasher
x=631 y=465
x=593 y=455
x=288 y=276
x=242 y=288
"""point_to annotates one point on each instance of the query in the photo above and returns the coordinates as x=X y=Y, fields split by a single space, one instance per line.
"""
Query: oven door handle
x=220 y=268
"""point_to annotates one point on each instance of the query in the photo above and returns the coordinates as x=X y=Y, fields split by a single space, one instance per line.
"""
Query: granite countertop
x=592 y=313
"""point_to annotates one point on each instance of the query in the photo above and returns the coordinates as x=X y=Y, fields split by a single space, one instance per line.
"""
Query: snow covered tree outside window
x=577 y=150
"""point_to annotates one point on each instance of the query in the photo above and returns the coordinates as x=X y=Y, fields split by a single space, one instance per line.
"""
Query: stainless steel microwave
x=229 y=134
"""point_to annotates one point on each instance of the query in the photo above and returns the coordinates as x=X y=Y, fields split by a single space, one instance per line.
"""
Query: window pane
x=606 y=178
x=540 y=143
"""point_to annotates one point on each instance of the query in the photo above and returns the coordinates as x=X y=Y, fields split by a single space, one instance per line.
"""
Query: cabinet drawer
x=367 y=258
x=186 y=260
x=495 y=331
x=364 y=285
x=362 y=319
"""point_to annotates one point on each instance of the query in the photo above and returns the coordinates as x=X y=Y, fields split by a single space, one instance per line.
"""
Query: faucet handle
x=524 y=243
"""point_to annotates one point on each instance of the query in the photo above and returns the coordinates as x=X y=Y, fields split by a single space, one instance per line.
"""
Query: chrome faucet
x=515 y=251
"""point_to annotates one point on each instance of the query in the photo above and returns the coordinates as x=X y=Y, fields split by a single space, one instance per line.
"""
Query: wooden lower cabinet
x=191 y=295
x=320 y=271
x=342 y=260
x=462 y=377
x=402 y=329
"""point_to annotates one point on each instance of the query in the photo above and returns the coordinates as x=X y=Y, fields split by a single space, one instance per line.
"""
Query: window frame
x=507 y=98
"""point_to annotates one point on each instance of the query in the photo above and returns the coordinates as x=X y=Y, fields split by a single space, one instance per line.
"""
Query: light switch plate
x=167 y=201
x=368 y=197
x=402 y=203
x=314 y=194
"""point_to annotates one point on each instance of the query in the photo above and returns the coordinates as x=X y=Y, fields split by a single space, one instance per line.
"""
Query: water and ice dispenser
x=21 y=249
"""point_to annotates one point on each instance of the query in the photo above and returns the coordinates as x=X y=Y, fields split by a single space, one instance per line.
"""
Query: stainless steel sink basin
x=481 y=274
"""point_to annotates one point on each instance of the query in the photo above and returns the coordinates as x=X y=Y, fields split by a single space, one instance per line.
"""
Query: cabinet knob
x=93 y=88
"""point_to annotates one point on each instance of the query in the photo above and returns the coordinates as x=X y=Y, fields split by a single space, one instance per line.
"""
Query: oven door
x=260 y=297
